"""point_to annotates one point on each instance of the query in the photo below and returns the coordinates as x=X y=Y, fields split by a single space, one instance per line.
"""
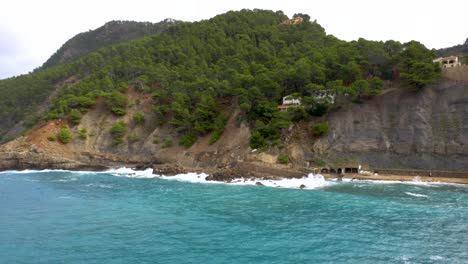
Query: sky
x=32 y=30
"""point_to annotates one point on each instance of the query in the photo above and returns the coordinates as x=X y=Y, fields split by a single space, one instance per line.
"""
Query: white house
x=290 y=100
x=448 y=62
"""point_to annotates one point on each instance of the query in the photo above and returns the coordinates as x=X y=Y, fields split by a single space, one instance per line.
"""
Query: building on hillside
x=288 y=102
x=448 y=62
x=326 y=96
x=293 y=21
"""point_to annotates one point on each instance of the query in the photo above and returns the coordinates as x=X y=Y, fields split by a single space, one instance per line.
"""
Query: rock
x=259 y=184
x=168 y=169
x=302 y=186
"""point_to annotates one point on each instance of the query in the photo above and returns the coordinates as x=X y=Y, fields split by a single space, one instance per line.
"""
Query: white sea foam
x=105 y=186
x=417 y=194
x=436 y=258
x=188 y=177
x=413 y=182
x=311 y=181
x=131 y=173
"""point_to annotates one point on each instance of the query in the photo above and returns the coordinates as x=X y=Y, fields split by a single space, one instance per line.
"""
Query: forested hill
x=111 y=33
x=253 y=57
x=455 y=50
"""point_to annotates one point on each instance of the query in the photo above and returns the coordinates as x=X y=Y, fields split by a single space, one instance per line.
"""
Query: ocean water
x=135 y=217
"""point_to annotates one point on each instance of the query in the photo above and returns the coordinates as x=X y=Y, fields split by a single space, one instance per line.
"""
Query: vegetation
x=167 y=143
x=116 y=102
x=218 y=129
x=83 y=133
x=455 y=50
x=111 y=33
x=139 y=118
x=319 y=129
x=65 y=135
x=283 y=159
x=192 y=68
x=134 y=138
x=75 y=116
x=118 y=131
x=51 y=138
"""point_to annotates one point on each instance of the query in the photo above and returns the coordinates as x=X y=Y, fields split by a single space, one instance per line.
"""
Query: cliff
x=398 y=129
x=402 y=129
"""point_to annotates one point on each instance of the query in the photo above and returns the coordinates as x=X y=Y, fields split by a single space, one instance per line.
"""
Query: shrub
x=52 y=138
x=283 y=159
x=75 y=116
x=83 y=133
x=167 y=143
x=219 y=124
x=65 y=135
x=155 y=139
x=319 y=129
x=118 y=132
x=139 y=118
x=118 y=111
x=187 y=140
x=134 y=138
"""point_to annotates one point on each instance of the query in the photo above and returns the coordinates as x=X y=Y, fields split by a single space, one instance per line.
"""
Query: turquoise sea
x=134 y=217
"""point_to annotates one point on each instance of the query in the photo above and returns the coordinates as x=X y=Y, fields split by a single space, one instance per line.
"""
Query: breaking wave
x=416 y=194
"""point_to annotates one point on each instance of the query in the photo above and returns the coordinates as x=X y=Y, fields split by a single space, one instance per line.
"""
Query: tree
x=375 y=86
x=75 y=116
x=361 y=88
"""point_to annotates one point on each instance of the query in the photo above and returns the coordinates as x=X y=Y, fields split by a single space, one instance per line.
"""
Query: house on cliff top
x=448 y=62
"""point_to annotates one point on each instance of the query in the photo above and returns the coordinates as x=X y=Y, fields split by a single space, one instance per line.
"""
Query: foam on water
x=311 y=181
x=416 y=194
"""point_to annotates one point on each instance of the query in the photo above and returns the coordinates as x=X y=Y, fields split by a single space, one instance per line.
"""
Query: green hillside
x=455 y=50
x=249 y=56
x=111 y=33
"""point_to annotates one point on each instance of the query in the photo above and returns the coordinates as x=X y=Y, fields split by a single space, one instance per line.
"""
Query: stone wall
x=456 y=73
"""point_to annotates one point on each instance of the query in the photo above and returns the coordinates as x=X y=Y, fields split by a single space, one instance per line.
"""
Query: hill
x=111 y=33
x=455 y=50
x=251 y=55
x=209 y=92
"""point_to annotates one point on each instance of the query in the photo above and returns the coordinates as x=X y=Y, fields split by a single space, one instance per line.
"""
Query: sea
x=128 y=216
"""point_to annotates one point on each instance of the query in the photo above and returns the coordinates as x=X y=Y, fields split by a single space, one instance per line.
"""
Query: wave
x=311 y=181
x=417 y=194
x=416 y=182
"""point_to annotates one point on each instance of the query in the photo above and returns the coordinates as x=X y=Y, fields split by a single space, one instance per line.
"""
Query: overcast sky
x=32 y=30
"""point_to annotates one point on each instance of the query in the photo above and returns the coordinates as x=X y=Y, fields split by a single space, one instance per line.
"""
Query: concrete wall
x=456 y=73
x=433 y=173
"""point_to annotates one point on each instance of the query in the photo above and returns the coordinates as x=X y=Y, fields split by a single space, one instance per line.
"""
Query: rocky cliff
x=398 y=129
x=403 y=129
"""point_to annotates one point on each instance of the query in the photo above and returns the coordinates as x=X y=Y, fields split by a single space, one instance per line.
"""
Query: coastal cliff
x=245 y=92
x=398 y=129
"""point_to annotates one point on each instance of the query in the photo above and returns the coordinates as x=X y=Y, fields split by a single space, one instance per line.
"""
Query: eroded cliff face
x=398 y=129
x=403 y=129
x=97 y=151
